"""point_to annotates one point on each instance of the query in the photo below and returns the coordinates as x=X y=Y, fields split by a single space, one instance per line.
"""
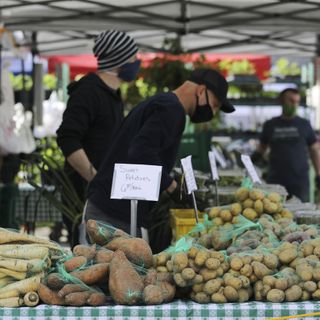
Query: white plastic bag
x=52 y=117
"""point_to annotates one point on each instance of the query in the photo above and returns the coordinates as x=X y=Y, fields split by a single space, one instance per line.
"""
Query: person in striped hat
x=94 y=112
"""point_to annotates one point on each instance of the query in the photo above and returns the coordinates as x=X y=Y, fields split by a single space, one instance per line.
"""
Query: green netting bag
x=257 y=201
x=222 y=238
x=137 y=250
x=197 y=265
x=102 y=233
x=75 y=284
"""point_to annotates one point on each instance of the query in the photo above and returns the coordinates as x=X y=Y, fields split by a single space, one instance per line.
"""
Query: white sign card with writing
x=189 y=174
x=213 y=165
x=136 y=181
x=247 y=162
x=219 y=157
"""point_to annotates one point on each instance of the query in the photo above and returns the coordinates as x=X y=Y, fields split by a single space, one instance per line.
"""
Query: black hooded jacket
x=94 y=112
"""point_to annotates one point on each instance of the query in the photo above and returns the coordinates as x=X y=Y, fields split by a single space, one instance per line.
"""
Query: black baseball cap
x=215 y=82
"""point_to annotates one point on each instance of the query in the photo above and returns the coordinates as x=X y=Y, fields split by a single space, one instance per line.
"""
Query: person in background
x=151 y=134
x=290 y=139
x=94 y=111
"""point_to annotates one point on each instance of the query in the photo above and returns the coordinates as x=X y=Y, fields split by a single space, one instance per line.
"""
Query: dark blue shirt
x=150 y=134
x=289 y=141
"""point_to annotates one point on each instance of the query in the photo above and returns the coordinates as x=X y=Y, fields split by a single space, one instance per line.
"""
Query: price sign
x=189 y=174
x=213 y=166
x=246 y=160
x=136 y=182
x=219 y=157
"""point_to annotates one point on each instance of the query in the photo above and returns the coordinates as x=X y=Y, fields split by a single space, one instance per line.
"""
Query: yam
x=125 y=284
x=70 y=288
x=49 y=296
x=168 y=291
x=86 y=251
x=136 y=250
x=93 y=274
x=74 y=263
x=152 y=294
x=97 y=299
x=103 y=256
x=77 y=299
x=55 y=281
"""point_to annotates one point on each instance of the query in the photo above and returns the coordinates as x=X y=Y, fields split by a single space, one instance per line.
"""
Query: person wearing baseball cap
x=94 y=112
x=151 y=134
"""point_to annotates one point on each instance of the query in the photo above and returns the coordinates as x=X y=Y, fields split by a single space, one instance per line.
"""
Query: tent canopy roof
x=242 y=26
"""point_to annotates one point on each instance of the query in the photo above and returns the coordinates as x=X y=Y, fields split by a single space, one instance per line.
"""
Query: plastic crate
x=182 y=221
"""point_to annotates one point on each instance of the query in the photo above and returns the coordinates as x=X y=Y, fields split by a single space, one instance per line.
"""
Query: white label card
x=189 y=174
x=219 y=157
x=213 y=165
x=136 y=182
x=246 y=160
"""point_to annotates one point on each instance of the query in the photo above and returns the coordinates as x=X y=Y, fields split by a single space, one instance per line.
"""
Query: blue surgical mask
x=129 y=71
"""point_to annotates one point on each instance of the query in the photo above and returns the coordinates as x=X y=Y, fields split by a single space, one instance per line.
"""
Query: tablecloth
x=34 y=207
x=175 y=310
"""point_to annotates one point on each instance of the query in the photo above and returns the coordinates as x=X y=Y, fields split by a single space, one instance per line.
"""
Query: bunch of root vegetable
x=136 y=250
x=23 y=261
x=78 y=280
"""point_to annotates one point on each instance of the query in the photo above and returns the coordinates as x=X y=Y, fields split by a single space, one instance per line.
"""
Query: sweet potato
x=77 y=298
x=87 y=251
x=101 y=235
x=97 y=234
x=152 y=294
x=93 y=274
x=104 y=256
x=168 y=291
x=125 y=284
x=151 y=277
x=69 y=288
x=49 y=296
x=55 y=281
x=74 y=263
x=136 y=250
x=97 y=299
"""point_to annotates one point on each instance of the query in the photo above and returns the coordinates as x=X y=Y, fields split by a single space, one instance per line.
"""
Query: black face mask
x=202 y=113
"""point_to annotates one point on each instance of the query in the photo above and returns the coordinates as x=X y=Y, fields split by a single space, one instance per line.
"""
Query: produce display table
x=34 y=207
x=175 y=310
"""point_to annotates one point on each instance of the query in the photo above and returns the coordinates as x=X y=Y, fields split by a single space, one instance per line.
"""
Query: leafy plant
x=52 y=172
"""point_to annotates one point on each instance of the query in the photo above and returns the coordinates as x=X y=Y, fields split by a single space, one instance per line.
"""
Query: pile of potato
x=24 y=259
x=224 y=215
x=255 y=202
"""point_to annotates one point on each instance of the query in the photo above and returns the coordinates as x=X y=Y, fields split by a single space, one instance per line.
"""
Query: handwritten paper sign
x=213 y=165
x=246 y=160
x=219 y=157
x=189 y=174
x=136 y=181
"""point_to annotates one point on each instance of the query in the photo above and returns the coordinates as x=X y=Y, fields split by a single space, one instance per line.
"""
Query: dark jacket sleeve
x=81 y=110
x=157 y=133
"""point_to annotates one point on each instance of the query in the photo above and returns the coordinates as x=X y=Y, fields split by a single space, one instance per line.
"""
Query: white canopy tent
x=272 y=27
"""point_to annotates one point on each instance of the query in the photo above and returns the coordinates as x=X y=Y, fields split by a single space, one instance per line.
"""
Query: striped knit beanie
x=113 y=49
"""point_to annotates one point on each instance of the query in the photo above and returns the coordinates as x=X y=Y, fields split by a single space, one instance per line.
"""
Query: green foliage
x=243 y=67
x=49 y=82
x=284 y=68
